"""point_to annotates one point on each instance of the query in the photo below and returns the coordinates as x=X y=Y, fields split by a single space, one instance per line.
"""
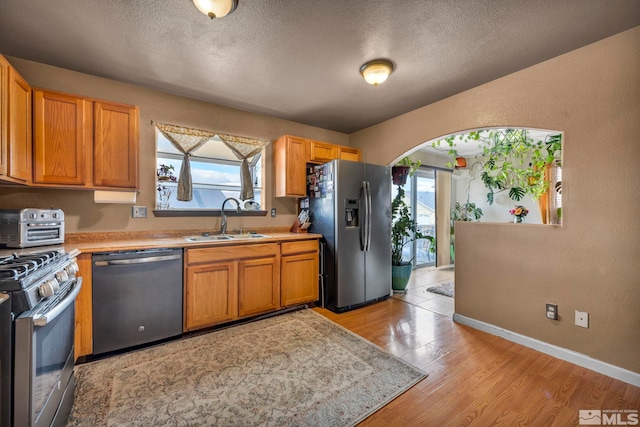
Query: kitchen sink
x=219 y=237
x=207 y=238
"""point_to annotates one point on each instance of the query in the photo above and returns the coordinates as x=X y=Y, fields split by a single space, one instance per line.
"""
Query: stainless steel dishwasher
x=137 y=297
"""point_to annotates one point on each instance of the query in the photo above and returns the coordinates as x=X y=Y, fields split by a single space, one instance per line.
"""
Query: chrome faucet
x=223 y=223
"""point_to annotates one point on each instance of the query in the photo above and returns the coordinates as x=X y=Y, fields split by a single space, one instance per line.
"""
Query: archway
x=494 y=175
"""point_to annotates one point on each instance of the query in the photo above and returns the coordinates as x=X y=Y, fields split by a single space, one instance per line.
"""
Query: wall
x=506 y=272
x=83 y=215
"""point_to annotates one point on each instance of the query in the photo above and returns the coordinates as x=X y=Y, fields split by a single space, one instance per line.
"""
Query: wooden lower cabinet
x=83 y=343
x=258 y=286
x=299 y=271
x=211 y=294
x=227 y=283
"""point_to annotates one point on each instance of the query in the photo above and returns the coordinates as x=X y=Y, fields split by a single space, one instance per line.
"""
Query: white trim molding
x=574 y=357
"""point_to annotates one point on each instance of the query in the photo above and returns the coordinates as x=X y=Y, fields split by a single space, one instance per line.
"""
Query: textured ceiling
x=300 y=59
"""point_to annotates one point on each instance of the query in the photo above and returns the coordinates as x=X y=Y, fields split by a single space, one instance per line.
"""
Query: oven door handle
x=62 y=306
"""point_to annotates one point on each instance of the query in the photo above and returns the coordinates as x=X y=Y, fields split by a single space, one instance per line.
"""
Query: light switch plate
x=139 y=212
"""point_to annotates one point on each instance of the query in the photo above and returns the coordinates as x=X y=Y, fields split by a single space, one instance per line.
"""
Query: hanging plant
x=403 y=169
x=513 y=162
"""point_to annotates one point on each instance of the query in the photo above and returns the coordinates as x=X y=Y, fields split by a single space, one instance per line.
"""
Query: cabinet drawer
x=222 y=253
x=288 y=248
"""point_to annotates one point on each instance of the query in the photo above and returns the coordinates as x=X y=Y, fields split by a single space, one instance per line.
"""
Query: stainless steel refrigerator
x=350 y=205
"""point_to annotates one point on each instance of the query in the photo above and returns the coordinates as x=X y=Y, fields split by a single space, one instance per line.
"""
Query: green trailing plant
x=413 y=164
x=467 y=211
x=512 y=162
x=404 y=229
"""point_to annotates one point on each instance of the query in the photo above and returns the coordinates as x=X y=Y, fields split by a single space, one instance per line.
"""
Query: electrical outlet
x=582 y=319
x=273 y=212
x=552 y=311
x=139 y=212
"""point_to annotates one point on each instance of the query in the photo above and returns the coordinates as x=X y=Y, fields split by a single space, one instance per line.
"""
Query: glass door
x=424 y=211
x=408 y=250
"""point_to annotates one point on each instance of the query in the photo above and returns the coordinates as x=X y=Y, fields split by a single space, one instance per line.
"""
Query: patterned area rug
x=446 y=289
x=296 y=369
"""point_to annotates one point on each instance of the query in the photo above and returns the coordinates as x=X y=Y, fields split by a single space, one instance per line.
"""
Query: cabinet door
x=211 y=294
x=290 y=155
x=352 y=154
x=4 y=97
x=116 y=141
x=19 y=127
x=62 y=131
x=321 y=152
x=83 y=343
x=258 y=286
x=299 y=283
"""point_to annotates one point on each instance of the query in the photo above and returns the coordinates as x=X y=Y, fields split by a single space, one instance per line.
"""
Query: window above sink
x=215 y=175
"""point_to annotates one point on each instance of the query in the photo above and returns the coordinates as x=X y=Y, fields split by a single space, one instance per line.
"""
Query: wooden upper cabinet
x=321 y=152
x=62 y=126
x=348 y=153
x=116 y=144
x=292 y=154
x=18 y=142
x=290 y=161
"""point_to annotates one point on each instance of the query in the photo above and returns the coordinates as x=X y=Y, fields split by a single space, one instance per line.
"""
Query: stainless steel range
x=43 y=287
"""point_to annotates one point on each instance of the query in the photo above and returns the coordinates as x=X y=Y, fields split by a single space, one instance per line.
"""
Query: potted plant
x=165 y=173
x=404 y=230
x=467 y=211
x=404 y=168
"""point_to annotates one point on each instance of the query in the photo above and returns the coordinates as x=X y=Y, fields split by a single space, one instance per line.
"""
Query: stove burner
x=16 y=266
x=16 y=271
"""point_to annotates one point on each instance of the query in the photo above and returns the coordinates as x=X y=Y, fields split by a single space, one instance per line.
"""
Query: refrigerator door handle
x=365 y=217
x=368 y=211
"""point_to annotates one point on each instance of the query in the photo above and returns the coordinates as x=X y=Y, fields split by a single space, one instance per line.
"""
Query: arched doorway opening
x=495 y=175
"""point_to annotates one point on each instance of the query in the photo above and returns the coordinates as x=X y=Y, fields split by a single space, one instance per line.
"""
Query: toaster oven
x=22 y=228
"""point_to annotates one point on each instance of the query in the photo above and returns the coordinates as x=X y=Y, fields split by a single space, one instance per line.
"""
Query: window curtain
x=186 y=141
x=244 y=149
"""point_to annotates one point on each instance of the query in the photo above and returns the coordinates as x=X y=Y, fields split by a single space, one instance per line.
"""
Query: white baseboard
x=574 y=357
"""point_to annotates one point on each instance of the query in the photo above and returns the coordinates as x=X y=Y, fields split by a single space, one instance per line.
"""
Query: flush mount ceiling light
x=216 y=8
x=376 y=71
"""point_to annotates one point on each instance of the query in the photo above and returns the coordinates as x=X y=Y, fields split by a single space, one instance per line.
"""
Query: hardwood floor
x=475 y=378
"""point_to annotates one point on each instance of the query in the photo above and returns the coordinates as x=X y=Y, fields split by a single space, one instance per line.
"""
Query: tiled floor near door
x=417 y=294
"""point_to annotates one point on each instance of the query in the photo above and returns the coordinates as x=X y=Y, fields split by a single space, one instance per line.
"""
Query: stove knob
x=48 y=288
x=72 y=268
x=62 y=276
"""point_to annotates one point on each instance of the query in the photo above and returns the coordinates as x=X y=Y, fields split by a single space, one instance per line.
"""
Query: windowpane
x=425 y=214
x=215 y=174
